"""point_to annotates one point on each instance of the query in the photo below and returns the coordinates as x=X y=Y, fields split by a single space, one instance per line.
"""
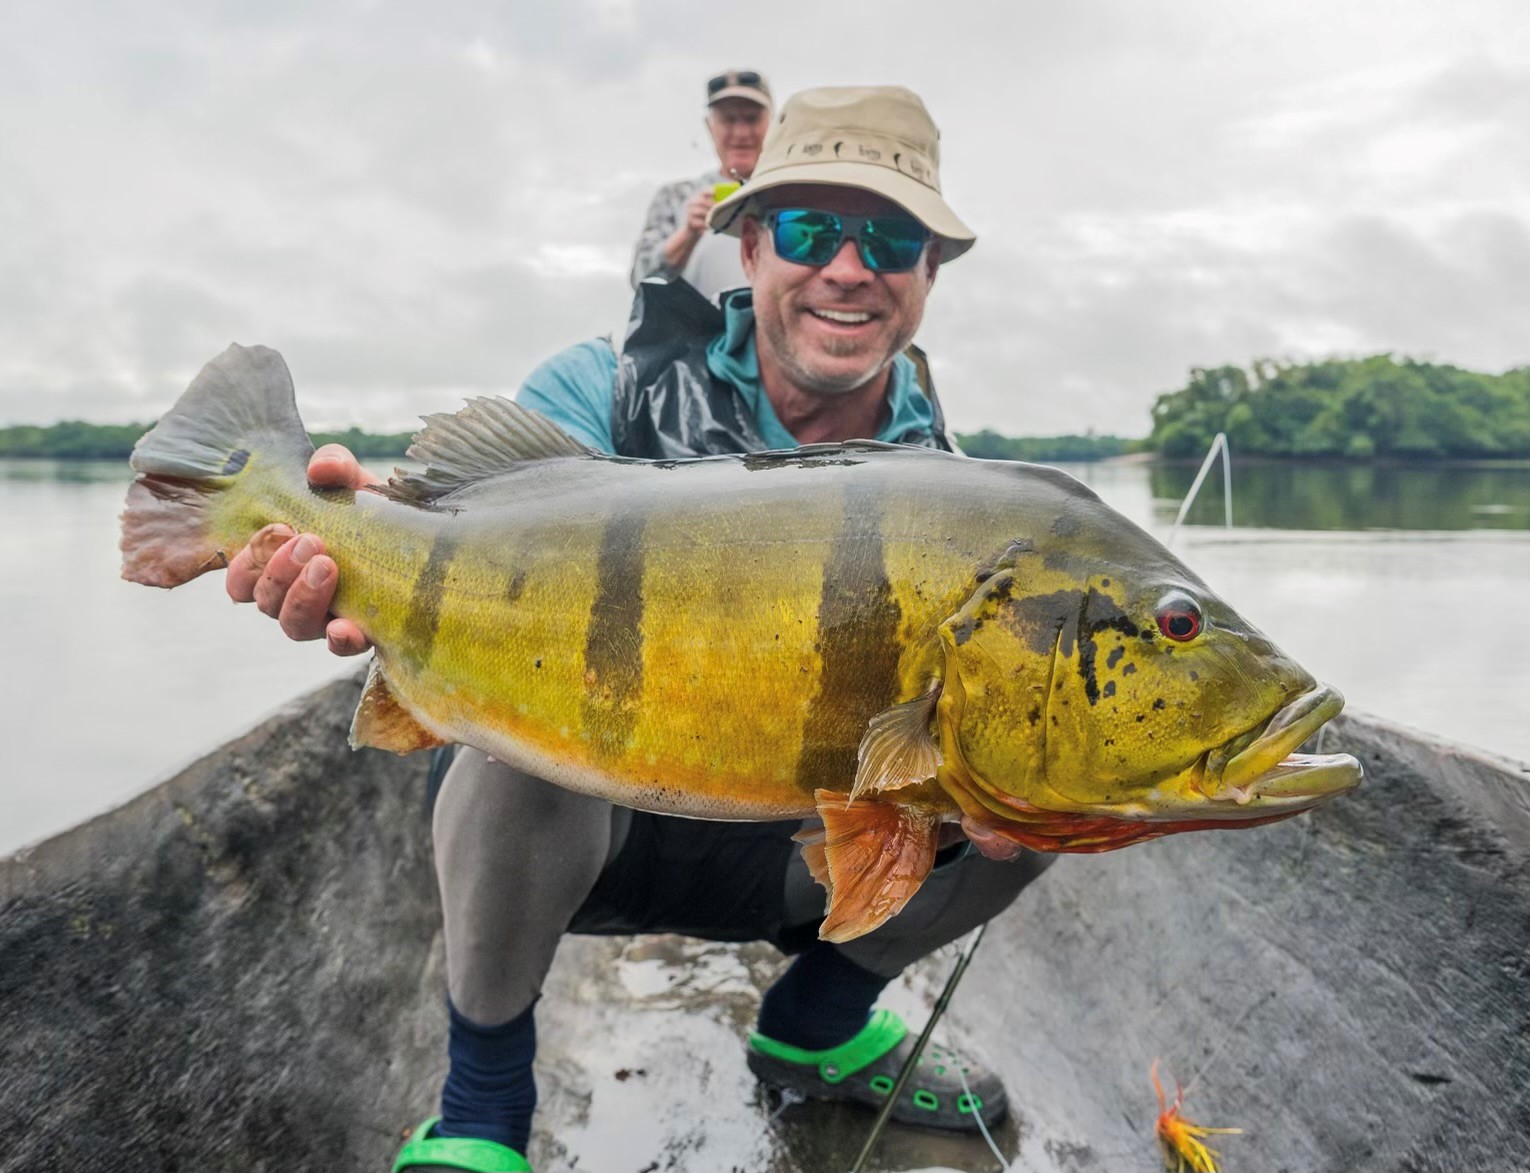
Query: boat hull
x=242 y=970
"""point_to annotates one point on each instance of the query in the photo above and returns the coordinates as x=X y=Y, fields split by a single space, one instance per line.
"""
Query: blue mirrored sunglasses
x=887 y=244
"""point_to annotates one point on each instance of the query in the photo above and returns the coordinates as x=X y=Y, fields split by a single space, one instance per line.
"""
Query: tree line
x=990 y=445
x=1381 y=406
x=78 y=440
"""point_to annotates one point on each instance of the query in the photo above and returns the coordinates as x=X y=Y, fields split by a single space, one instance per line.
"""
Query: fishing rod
x=913 y=1056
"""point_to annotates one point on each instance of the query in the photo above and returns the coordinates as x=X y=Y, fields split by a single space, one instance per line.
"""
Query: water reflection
x=65 y=472
x=1352 y=497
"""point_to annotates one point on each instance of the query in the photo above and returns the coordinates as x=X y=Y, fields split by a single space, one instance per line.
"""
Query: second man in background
x=675 y=242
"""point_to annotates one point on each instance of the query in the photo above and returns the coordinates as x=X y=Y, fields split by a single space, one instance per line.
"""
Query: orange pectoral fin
x=871 y=857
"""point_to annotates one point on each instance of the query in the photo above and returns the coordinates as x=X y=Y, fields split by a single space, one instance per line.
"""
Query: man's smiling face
x=832 y=329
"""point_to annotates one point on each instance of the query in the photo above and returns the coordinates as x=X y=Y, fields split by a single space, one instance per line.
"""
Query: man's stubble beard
x=818 y=382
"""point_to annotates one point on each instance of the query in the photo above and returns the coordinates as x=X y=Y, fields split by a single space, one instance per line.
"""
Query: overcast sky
x=416 y=202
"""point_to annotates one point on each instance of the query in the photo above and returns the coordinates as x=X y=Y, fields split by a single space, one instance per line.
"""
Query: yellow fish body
x=892 y=638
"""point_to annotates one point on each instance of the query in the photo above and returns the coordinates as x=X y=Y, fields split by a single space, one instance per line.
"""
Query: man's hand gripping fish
x=890 y=638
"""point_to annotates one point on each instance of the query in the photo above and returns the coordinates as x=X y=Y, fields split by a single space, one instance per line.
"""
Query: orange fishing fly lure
x=1183 y=1151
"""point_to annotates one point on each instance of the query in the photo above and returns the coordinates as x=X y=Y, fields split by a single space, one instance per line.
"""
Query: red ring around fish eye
x=1178 y=617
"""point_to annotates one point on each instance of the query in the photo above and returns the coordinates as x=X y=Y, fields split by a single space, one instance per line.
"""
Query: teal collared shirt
x=575 y=387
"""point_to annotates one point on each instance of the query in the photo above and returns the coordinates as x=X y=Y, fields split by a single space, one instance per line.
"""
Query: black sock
x=489 y=1092
x=822 y=1000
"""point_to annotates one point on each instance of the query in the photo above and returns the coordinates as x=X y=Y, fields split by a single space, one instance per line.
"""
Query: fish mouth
x=1260 y=771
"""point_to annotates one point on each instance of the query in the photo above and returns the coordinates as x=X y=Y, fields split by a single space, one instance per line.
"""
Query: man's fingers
x=282 y=570
x=304 y=608
x=345 y=638
x=250 y=563
x=334 y=467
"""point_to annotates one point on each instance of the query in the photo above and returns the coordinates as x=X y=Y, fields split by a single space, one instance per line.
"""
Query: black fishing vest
x=668 y=403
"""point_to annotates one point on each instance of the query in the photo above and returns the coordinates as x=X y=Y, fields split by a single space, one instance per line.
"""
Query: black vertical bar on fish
x=424 y=614
x=858 y=622
x=613 y=650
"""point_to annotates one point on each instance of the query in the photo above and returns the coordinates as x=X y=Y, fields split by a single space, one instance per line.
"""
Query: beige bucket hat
x=877 y=138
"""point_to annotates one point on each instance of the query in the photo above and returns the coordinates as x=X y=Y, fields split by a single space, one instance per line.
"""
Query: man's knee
x=482 y=795
x=953 y=901
x=981 y=888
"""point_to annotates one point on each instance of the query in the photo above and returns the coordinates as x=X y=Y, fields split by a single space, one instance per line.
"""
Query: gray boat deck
x=241 y=970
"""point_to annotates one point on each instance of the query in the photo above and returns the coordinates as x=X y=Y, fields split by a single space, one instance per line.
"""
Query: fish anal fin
x=874 y=856
x=383 y=723
x=898 y=749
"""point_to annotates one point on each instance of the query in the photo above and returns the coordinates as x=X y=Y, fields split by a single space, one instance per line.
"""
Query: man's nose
x=846 y=267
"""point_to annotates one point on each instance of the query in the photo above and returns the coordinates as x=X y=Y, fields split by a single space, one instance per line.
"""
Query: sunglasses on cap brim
x=886 y=244
x=723 y=81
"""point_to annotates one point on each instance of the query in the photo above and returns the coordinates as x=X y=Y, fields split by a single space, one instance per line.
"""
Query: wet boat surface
x=242 y=970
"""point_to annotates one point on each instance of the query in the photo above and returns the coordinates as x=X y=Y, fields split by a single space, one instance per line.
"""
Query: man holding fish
x=953 y=664
x=842 y=232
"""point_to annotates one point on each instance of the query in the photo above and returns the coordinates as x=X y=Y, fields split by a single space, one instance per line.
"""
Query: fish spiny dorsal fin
x=899 y=748
x=484 y=439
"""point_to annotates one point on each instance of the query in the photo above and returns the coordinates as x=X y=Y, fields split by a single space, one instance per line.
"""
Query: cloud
x=416 y=204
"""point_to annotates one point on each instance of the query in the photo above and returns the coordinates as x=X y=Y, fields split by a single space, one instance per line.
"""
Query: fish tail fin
x=871 y=857
x=238 y=415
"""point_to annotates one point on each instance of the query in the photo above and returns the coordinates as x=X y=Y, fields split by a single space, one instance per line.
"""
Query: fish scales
x=892 y=638
x=757 y=635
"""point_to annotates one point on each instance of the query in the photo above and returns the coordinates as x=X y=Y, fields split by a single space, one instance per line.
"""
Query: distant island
x=1359 y=409
x=1353 y=409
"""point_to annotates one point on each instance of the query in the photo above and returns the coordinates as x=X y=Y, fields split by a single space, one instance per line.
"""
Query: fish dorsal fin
x=488 y=437
x=898 y=749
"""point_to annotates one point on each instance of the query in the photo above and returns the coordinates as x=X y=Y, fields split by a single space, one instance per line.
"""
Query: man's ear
x=749 y=245
x=932 y=260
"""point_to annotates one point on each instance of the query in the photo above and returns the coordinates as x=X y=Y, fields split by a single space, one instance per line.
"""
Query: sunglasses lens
x=717 y=83
x=806 y=237
x=892 y=244
x=748 y=78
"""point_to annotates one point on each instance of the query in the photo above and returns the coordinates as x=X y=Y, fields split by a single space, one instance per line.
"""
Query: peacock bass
x=891 y=638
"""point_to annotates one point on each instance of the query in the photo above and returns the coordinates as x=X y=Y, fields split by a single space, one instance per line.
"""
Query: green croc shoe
x=864 y=1070
x=427 y=1154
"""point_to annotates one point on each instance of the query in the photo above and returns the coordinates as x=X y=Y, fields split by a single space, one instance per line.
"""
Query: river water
x=1403 y=586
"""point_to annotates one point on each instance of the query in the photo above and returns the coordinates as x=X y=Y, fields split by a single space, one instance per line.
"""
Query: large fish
x=891 y=638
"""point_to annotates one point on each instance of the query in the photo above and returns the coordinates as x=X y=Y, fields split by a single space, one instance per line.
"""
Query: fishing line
x=961 y=1074
x=1281 y=905
x=913 y=1056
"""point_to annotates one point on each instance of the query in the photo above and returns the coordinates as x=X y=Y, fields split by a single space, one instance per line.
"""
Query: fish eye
x=1179 y=617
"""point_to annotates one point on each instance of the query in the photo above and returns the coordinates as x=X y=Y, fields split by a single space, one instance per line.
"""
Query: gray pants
x=520 y=862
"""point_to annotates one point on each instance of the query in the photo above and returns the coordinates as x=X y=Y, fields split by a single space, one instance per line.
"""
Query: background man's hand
x=696 y=211
x=290 y=578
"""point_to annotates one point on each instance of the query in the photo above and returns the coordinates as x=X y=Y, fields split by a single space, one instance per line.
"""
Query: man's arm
x=574 y=389
x=677 y=219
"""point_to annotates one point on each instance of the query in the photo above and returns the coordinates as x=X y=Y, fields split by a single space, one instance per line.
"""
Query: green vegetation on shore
x=1348 y=408
x=989 y=445
x=77 y=440
x=1356 y=408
